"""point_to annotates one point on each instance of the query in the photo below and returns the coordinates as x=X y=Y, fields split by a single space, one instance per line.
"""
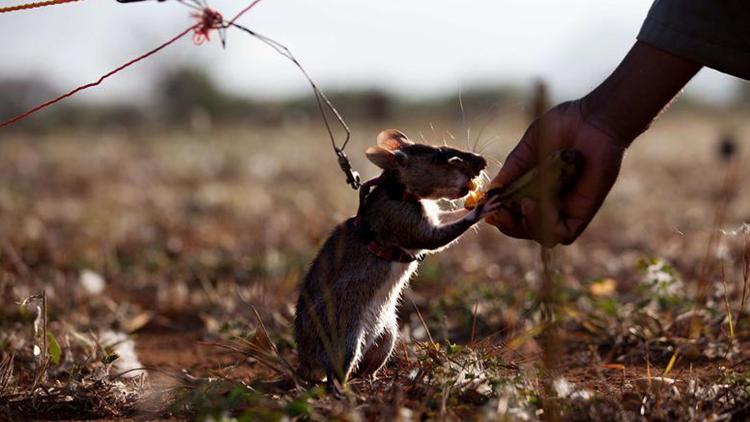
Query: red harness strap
x=386 y=252
x=392 y=253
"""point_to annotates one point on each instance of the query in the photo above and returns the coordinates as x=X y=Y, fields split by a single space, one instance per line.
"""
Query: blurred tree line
x=189 y=97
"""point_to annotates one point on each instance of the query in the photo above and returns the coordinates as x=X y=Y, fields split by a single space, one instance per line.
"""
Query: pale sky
x=409 y=47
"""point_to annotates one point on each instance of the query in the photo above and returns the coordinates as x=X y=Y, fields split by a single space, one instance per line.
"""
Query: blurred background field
x=183 y=227
x=154 y=223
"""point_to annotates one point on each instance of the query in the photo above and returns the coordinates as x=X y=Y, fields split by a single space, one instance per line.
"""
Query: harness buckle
x=352 y=176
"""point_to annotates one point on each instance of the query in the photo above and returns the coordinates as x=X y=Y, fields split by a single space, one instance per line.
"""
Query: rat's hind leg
x=340 y=366
x=379 y=352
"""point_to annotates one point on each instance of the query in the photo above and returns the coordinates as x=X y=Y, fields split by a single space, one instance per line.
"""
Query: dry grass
x=190 y=231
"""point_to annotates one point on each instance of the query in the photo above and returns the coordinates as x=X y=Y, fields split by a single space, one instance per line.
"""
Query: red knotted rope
x=243 y=11
x=100 y=80
x=208 y=20
x=33 y=5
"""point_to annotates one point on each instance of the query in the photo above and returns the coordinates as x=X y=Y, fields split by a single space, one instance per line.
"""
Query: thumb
x=519 y=161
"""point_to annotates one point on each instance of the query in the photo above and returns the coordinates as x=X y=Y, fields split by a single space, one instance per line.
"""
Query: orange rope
x=33 y=5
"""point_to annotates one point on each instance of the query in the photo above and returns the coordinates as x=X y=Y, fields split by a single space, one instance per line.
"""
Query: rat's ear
x=385 y=159
x=393 y=140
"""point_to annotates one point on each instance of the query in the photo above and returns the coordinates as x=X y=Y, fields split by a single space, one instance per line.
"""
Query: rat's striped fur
x=346 y=312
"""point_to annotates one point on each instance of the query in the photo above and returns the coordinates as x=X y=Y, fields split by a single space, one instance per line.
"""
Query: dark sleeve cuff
x=669 y=34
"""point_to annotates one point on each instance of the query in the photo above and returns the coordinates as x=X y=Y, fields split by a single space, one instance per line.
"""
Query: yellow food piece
x=605 y=287
x=473 y=199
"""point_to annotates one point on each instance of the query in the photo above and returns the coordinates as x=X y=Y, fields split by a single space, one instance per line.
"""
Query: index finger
x=522 y=159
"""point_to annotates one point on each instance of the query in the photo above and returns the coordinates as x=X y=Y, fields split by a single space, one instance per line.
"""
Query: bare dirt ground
x=152 y=247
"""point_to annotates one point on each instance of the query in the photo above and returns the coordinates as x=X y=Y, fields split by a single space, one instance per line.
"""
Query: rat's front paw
x=487 y=206
x=491 y=205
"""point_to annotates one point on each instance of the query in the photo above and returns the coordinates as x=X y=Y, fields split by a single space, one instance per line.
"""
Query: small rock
x=92 y=282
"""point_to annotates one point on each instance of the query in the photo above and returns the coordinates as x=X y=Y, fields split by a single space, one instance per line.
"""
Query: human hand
x=600 y=125
x=563 y=127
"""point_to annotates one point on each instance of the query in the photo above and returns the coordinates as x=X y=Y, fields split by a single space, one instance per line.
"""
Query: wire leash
x=323 y=102
x=353 y=178
x=210 y=19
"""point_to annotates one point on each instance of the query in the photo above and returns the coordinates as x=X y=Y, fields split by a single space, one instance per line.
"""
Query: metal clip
x=352 y=177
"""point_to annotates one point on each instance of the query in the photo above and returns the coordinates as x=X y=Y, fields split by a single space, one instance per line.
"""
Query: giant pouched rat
x=346 y=312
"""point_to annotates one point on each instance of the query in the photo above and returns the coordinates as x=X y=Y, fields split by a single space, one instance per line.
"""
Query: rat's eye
x=455 y=160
